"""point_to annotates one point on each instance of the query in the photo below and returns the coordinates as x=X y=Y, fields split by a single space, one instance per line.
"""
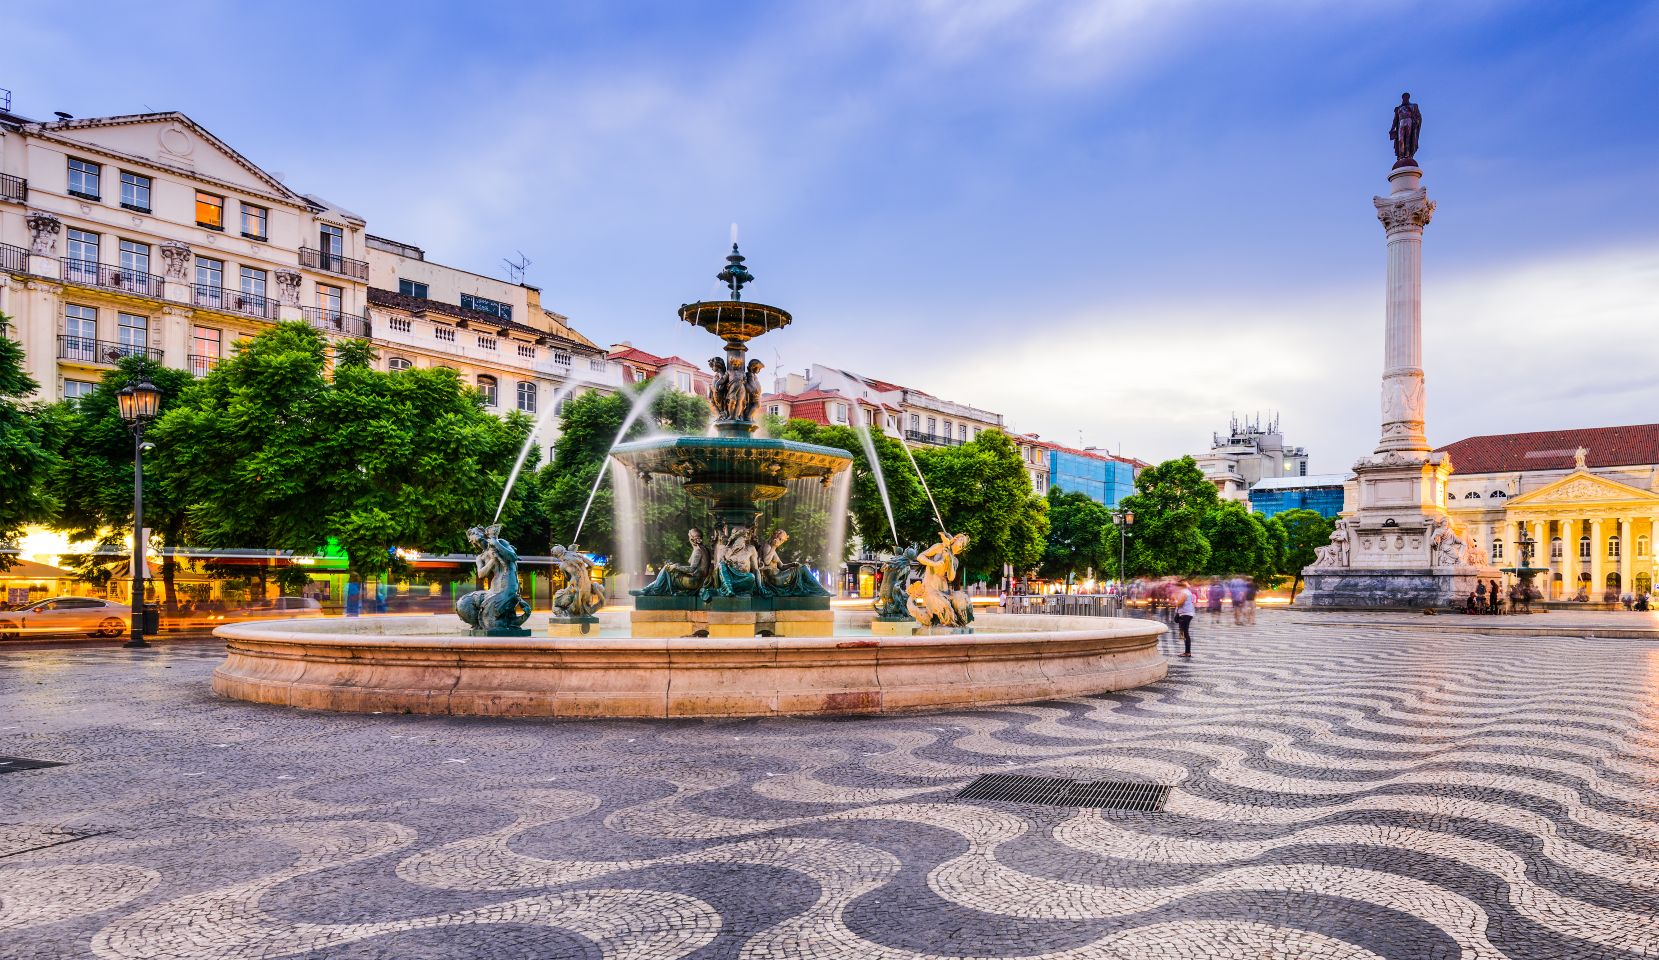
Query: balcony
x=202 y=365
x=112 y=278
x=336 y=322
x=233 y=301
x=15 y=259
x=15 y=189
x=334 y=263
x=937 y=439
x=87 y=350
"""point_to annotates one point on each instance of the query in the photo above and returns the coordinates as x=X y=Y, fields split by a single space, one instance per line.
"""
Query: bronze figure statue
x=893 y=594
x=782 y=579
x=681 y=579
x=934 y=601
x=498 y=608
x=1408 y=123
x=751 y=390
x=581 y=596
x=723 y=392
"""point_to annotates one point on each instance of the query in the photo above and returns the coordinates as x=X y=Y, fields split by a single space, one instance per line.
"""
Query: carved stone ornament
x=177 y=256
x=43 y=234
x=1402 y=398
x=1412 y=209
x=1336 y=555
x=1583 y=488
x=1391 y=458
x=288 y=287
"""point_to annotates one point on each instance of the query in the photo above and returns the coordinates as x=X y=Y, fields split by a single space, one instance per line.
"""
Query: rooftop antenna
x=515 y=269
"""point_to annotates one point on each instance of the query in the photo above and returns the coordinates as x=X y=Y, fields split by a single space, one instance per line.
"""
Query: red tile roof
x=1553 y=449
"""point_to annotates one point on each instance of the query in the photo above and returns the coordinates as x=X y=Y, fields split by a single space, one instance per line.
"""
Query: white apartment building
x=148 y=234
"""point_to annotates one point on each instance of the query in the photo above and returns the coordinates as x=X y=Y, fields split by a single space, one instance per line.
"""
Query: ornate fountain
x=1522 y=593
x=736 y=583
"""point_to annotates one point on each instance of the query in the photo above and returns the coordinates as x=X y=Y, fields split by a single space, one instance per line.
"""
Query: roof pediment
x=1583 y=487
x=171 y=140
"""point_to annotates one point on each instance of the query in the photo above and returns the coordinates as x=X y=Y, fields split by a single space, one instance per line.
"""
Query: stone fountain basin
x=425 y=665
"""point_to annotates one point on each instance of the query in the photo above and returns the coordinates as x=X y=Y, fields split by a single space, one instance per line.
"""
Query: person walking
x=1494 y=597
x=1250 y=589
x=1213 y=596
x=1185 y=609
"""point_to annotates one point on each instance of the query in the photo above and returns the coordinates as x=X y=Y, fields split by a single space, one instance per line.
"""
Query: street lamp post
x=1124 y=519
x=137 y=402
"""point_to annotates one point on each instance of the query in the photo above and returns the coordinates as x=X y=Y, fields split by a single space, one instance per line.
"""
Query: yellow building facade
x=1589 y=499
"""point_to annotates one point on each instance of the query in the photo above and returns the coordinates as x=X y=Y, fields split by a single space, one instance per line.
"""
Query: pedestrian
x=1235 y=594
x=1480 y=597
x=1185 y=609
x=1494 y=598
x=1212 y=598
x=1250 y=600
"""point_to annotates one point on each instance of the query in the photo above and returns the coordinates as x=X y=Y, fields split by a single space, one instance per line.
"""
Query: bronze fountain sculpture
x=497 y=610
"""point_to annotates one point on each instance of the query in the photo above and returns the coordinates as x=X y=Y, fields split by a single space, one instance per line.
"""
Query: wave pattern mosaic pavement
x=1340 y=790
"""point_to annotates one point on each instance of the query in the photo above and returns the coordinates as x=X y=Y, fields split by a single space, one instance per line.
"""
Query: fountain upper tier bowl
x=734 y=321
x=740 y=470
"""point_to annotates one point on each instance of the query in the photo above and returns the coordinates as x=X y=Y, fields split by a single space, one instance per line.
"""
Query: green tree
x=983 y=490
x=1238 y=542
x=1170 y=503
x=912 y=515
x=1305 y=532
x=94 y=479
x=270 y=449
x=1271 y=572
x=27 y=458
x=587 y=429
x=1081 y=536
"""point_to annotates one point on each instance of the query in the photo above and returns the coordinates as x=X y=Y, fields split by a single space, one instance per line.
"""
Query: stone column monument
x=1396 y=546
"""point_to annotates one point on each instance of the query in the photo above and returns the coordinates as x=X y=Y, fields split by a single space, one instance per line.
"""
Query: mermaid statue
x=498 y=609
x=582 y=597
x=935 y=601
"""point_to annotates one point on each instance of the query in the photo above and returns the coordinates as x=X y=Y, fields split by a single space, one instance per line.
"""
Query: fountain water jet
x=564 y=390
x=641 y=402
x=869 y=444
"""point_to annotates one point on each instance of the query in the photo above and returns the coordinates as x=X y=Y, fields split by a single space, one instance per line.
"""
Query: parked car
x=84 y=615
x=280 y=608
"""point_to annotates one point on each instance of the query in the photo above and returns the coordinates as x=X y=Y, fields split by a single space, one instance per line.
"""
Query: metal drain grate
x=1061 y=792
x=12 y=764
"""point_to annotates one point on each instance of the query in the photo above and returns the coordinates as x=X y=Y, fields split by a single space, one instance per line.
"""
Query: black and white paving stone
x=1340 y=790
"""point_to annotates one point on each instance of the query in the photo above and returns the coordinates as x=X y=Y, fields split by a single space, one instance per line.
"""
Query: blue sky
x=1116 y=221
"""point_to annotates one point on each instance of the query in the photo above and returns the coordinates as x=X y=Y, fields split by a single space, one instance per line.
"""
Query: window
x=135 y=258
x=1555 y=548
x=446 y=334
x=398 y=363
x=332 y=239
x=205 y=342
x=135 y=192
x=682 y=381
x=527 y=396
x=210 y=273
x=1497 y=549
x=915 y=423
x=331 y=300
x=74 y=390
x=402 y=324
x=1613 y=547
x=83 y=246
x=133 y=333
x=932 y=426
x=253 y=282
x=486 y=386
x=1584 y=547
x=1472 y=495
x=947 y=429
x=485 y=305
x=486 y=343
x=840 y=412
x=410 y=288
x=1499 y=493
x=1641 y=546
x=210 y=210
x=639 y=376
x=774 y=410
x=81 y=323
x=526 y=351
x=84 y=177
x=253 y=221
x=962 y=432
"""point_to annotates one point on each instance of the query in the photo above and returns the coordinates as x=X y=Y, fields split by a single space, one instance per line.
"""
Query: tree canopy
x=1081 y=536
x=984 y=491
x=1305 y=532
x=28 y=460
x=1170 y=503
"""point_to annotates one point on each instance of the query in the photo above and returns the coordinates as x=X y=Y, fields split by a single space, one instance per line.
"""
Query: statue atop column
x=1408 y=123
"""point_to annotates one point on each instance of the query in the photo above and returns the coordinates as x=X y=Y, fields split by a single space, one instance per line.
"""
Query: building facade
x=915 y=415
x=640 y=366
x=146 y=234
x=1248 y=453
x=1103 y=477
x=1589 y=498
x=1322 y=493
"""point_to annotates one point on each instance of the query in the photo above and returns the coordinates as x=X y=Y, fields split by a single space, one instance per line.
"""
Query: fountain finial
x=736 y=274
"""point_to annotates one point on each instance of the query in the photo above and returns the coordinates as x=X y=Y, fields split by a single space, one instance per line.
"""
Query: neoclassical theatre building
x=1590 y=498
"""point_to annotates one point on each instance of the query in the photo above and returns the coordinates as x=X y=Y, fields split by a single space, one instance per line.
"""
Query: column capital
x=1405 y=211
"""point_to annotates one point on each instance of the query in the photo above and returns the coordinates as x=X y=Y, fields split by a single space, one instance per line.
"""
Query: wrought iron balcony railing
x=334 y=263
x=937 y=439
x=201 y=365
x=88 y=350
x=234 y=301
x=15 y=259
x=15 y=189
x=112 y=278
x=336 y=322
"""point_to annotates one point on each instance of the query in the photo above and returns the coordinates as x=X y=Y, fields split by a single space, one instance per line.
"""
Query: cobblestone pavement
x=1340 y=791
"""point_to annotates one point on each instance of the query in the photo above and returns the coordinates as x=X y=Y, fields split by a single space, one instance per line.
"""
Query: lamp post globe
x=138 y=403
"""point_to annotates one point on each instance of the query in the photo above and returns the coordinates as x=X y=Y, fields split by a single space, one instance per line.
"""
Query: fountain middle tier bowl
x=734 y=321
x=746 y=468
